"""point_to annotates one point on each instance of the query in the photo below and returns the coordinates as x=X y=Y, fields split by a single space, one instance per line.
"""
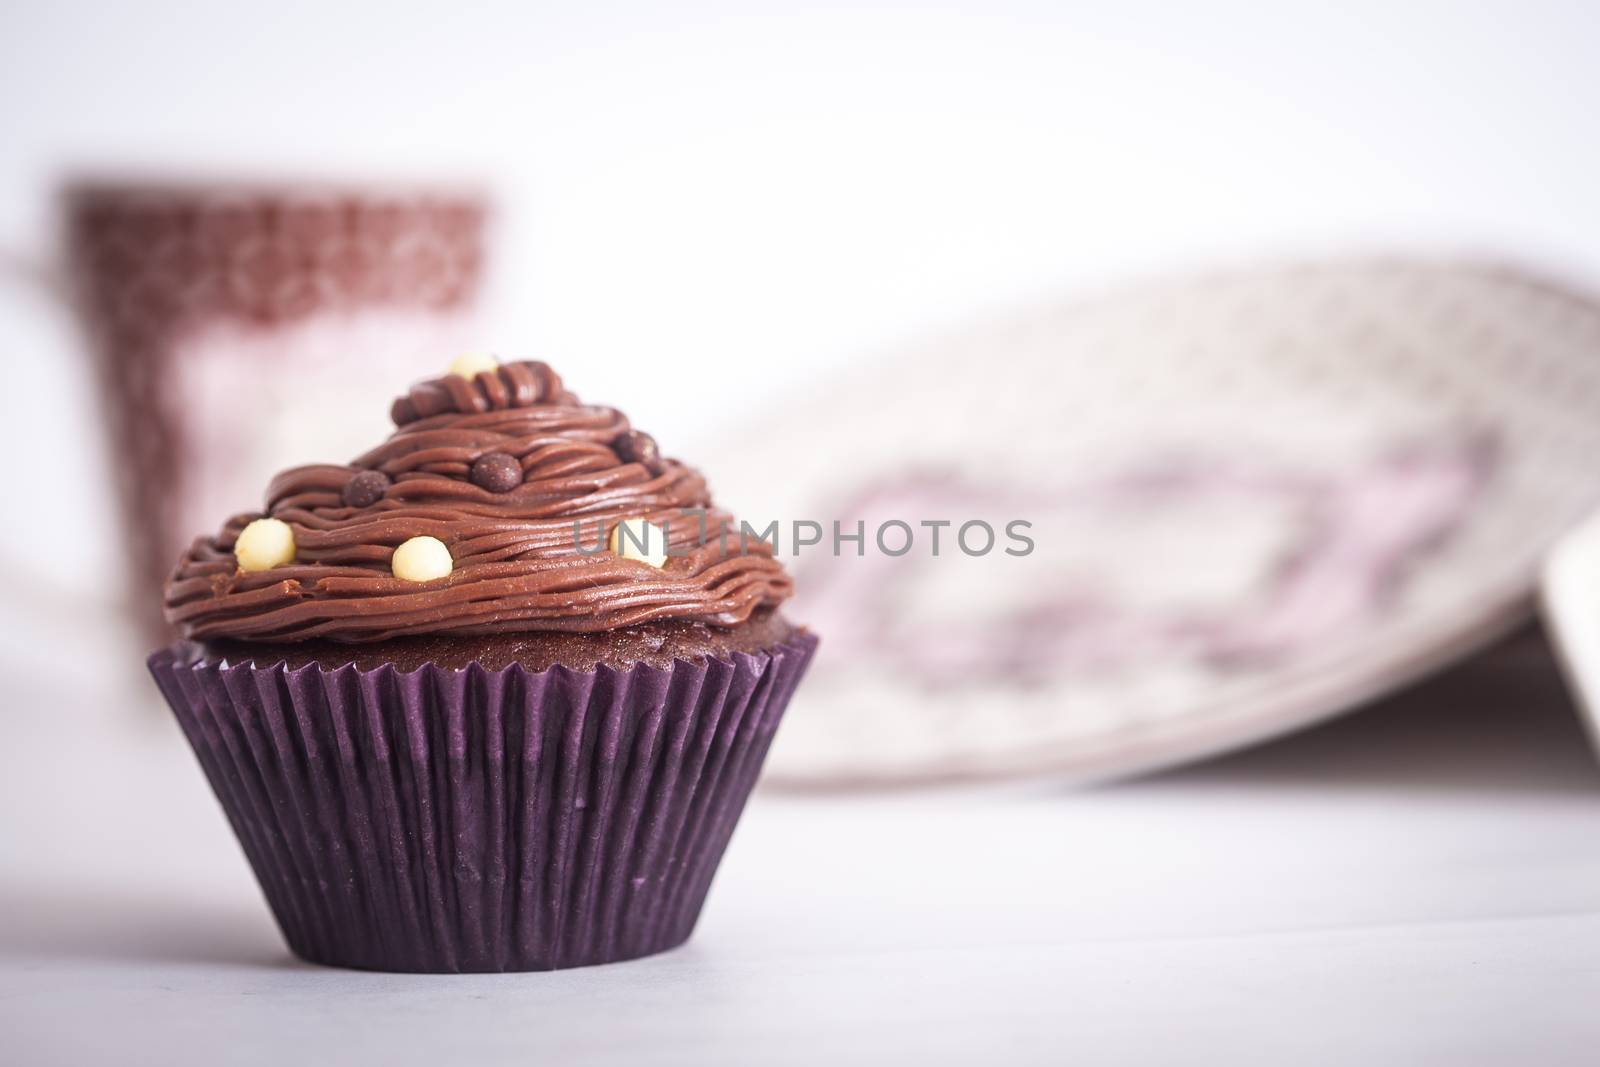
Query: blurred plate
x=1257 y=499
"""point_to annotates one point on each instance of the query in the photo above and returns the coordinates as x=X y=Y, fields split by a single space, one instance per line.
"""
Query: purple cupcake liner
x=476 y=820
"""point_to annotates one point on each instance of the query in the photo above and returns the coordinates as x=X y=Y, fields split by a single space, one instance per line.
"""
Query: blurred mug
x=238 y=329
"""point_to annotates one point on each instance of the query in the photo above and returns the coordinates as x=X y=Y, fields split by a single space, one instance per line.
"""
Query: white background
x=706 y=202
x=703 y=204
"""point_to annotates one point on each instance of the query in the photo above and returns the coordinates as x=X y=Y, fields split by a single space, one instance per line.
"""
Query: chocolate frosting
x=517 y=564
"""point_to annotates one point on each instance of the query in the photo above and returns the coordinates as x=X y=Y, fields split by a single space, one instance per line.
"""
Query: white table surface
x=1419 y=883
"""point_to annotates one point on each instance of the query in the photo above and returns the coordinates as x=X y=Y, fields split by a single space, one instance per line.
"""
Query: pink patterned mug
x=229 y=325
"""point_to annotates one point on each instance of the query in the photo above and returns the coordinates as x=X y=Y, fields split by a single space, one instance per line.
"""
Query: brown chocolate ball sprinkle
x=636 y=447
x=365 y=489
x=496 y=472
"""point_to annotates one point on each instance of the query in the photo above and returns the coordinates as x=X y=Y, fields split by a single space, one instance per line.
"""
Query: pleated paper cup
x=476 y=820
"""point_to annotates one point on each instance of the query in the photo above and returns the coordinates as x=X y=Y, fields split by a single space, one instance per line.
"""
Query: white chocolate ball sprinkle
x=640 y=540
x=422 y=559
x=472 y=364
x=263 y=545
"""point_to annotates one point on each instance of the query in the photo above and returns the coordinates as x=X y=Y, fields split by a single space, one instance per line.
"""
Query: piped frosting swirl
x=517 y=561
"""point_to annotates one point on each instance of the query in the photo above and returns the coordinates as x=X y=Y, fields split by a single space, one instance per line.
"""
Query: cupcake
x=492 y=696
